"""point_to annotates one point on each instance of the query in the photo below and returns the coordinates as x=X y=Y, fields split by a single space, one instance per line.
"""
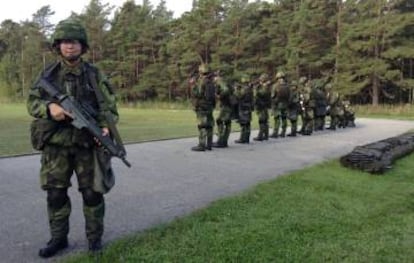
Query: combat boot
x=266 y=134
x=198 y=148
x=259 y=137
x=53 y=246
x=219 y=144
x=209 y=143
x=274 y=135
x=95 y=245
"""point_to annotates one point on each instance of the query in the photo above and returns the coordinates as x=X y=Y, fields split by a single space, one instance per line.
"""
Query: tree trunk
x=375 y=91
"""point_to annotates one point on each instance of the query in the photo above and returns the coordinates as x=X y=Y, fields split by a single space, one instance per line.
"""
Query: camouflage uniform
x=308 y=108
x=245 y=100
x=280 y=101
x=349 y=114
x=226 y=98
x=68 y=149
x=320 y=105
x=204 y=101
x=333 y=101
x=293 y=108
x=262 y=106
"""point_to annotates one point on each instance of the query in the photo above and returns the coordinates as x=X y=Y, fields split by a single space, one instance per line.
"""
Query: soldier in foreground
x=262 y=105
x=203 y=95
x=245 y=100
x=66 y=149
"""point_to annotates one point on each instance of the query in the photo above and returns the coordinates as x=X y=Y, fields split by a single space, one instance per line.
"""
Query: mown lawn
x=135 y=125
x=325 y=213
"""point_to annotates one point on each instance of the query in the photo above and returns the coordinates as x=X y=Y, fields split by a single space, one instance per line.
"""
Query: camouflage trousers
x=280 y=121
x=307 y=125
x=263 y=118
x=224 y=124
x=57 y=166
x=205 y=126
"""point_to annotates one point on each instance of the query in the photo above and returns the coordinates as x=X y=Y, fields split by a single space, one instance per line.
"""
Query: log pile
x=378 y=157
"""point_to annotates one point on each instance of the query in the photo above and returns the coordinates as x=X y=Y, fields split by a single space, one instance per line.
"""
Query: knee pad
x=57 y=197
x=219 y=122
x=91 y=198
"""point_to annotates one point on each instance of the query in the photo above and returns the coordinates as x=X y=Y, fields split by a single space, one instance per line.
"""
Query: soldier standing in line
x=280 y=100
x=333 y=101
x=203 y=95
x=319 y=94
x=262 y=106
x=301 y=112
x=293 y=108
x=67 y=149
x=226 y=98
x=308 y=108
x=245 y=100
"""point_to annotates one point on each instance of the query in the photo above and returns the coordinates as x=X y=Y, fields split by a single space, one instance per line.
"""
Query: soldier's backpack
x=210 y=92
x=283 y=92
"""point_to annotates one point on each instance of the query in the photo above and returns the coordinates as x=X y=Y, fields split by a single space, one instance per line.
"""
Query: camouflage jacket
x=72 y=81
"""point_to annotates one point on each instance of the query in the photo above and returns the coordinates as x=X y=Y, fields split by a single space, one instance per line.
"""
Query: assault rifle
x=82 y=119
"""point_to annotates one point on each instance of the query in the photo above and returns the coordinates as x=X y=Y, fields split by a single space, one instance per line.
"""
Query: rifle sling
x=101 y=101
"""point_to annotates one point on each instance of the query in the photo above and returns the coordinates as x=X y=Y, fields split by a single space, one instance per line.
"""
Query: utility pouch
x=104 y=177
x=40 y=132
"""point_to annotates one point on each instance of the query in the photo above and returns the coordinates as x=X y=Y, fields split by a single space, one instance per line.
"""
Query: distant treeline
x=365 y=46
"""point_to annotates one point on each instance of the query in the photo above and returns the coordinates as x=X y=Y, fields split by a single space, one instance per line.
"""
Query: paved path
x=167 y=180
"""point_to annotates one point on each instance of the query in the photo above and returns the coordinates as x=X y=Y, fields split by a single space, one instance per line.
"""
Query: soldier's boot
x=95 y=246
x=240 y=140
x=259 y=136
x=53 y=246
x=283 y=133
x=209 y=142
x=59 y=208
x=266 y=132
x=293 y=130
x=284 y=127
x=202 y=138
x=94 y=212
x=227 y=131
x=246 y=138
x=274 y=134
x=262 y=131
x=198 y=148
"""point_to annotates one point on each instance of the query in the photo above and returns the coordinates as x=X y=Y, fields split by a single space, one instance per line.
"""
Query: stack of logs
x=377 y=157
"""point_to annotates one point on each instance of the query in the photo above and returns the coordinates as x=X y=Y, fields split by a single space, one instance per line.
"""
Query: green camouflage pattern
x=70 y=29
x=70 y=150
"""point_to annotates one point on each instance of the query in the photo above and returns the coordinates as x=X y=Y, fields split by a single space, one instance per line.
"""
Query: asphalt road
x=166 y=181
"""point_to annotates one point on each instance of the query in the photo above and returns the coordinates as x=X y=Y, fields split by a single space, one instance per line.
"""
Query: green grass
x=326 y=213
x=405 y=111
x=147 y=121
x=136 y=124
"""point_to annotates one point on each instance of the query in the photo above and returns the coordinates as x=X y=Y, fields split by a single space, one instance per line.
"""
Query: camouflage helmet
x=303 y=79
x=264 y=77
x=244 y=78
x=70 y=29
x=280 y=74
x=204 y=68
x=328 y=86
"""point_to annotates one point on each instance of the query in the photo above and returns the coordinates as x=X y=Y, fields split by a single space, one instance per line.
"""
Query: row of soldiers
x=306 y=100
